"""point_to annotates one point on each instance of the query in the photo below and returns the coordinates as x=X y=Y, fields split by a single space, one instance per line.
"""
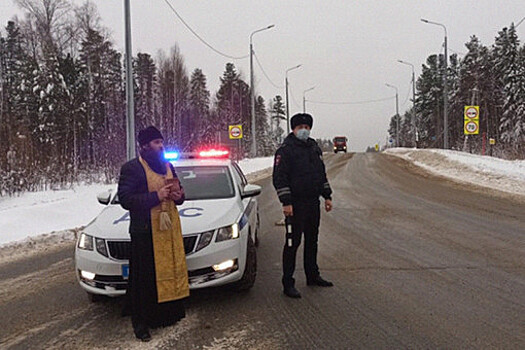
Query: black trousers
x=306 y=217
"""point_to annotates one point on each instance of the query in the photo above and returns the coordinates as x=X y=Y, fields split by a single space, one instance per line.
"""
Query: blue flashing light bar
x=171 y=155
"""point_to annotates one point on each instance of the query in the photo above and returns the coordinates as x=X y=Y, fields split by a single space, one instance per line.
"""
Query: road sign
x=471 y=113
x=377 y=147
x=235 y=132
x=471 y=127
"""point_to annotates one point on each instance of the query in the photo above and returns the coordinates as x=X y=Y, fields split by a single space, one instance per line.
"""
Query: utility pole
x=445 y=86
x=397 y=113
x=253 y=150
x=414 y=127
x=445 y=97
x=1 y=88
x=304 y=97
x=287 y=100
x=130 y=109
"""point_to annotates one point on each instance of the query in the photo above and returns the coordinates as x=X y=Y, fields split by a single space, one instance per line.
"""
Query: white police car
x=220 y=225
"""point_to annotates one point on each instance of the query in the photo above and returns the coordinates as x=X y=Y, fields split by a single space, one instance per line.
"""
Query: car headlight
x=204 y=240
x=101 y=246
x=85 y=242
x=228 y=232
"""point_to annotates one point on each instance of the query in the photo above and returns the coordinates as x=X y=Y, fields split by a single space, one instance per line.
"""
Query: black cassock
x=141 y=297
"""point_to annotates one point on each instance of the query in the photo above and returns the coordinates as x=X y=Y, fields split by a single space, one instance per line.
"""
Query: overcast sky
x=348 y=49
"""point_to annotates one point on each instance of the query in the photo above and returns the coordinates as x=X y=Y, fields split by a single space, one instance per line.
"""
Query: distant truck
x=340 y=144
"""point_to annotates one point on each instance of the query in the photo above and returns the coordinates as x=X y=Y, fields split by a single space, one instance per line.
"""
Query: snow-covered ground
x=503 y=175
x=34 y=217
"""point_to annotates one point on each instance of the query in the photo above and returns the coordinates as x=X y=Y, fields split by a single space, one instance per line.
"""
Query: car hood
x=196 y=216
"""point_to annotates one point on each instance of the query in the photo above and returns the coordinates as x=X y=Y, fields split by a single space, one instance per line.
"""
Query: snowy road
x=417 y=261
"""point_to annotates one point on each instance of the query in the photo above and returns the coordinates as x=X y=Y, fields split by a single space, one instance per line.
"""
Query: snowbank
x=36 y=213
x=499 y=174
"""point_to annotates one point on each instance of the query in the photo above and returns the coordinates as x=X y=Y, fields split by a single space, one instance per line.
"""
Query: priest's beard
x=154 y=159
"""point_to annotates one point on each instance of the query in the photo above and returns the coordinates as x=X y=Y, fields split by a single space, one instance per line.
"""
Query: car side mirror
x=251 y=191
x=104 y=197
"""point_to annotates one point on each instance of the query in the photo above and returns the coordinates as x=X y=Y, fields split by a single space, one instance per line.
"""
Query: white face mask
x=303 y=134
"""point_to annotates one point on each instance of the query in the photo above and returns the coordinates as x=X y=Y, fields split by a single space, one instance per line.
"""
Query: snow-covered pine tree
x=277 y=115
x=199 y=122
x=510 y=81
x=144 y=71
x=232 y=105
x=429 y=102
x=262 y=129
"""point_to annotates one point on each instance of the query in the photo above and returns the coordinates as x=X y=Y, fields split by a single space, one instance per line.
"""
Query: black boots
x=291 y=292
x=319 y=281
x=143 y=334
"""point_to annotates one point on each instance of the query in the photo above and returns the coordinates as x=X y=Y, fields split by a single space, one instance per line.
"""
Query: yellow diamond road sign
x=235 y=132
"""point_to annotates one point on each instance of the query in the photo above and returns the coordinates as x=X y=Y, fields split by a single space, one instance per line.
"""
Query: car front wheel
x=250 y=270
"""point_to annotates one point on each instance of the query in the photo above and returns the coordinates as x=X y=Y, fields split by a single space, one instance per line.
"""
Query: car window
x=240 y=174
x=238 y=179
x=205 y=182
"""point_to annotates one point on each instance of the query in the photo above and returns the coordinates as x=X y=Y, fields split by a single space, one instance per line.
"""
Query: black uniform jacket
x=299 y=173
x=134 y=196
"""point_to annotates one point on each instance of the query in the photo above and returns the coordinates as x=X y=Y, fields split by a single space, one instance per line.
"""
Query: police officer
x=299 y=177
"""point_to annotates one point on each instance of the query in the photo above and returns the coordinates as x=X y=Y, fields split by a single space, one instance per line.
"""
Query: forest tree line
x=62 y=100
x=491 y=77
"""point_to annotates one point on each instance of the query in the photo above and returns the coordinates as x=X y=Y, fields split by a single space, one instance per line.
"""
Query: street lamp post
x=445 y=86
x=304 y=97
x=397 y=113
x=286 y=88
x=252 y=97
x=413 y=101
x=130 y=109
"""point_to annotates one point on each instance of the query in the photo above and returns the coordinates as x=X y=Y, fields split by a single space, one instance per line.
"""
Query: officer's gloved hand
x=288 y=210
x=328 y=205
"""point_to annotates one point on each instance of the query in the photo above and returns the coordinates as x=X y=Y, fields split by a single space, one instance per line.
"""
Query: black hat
x=301 y=118
x=149 y=134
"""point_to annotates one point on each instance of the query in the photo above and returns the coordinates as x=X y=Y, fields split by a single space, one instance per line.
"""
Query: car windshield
x=340 y=139
x=205 y=182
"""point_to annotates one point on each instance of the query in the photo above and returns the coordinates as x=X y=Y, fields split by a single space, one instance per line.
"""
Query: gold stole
x=168 y=247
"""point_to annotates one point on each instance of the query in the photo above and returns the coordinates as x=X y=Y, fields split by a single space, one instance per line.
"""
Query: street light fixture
x=304 y=97
x=413 y=100
x=445 y=86
x=252 y=97
x=286 y=87
x=397 y=113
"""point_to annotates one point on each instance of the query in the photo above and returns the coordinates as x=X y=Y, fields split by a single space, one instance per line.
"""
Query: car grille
x=121 y=250
x=189 y=243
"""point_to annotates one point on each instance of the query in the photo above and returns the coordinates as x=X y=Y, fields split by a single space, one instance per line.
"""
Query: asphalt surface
x=418 y=262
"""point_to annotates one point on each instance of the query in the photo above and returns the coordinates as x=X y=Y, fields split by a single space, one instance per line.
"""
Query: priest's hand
x=164 y=192
x=176 y=195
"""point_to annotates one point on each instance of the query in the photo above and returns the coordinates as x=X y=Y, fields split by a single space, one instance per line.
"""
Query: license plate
x=125 y=271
